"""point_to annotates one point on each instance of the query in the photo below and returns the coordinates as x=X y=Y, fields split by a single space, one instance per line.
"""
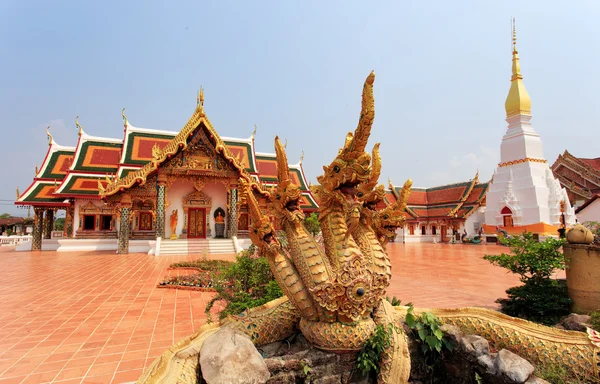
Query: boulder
x=512 y=366
x=536 y=380
x=575 y=322
x=229 y=356
x=475 y=345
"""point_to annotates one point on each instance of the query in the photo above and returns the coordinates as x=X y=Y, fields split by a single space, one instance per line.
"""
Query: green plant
x=205 y=265
x=245 y=283
x=557 y=374
x=478 y=378
x=306 y=370
x=540 y=298
x=59 y=224
x=311 y=223
x=396 y=302
x=369 y=356
x=595 y=320
x=434 y=344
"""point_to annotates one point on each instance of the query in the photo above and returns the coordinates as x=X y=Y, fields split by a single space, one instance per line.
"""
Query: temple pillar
x=68 y=229
x=160 y=206
x=124 y=225
x=232 y=228
x=49 y=224
x=36 y=242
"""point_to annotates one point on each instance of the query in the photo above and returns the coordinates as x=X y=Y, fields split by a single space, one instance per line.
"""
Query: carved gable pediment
x=91 y=209
x=197 y=199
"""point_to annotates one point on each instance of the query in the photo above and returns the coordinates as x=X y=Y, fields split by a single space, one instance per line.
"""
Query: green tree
x=540 y=298
x=59 y=224
x=5 y=216
x=311 y=222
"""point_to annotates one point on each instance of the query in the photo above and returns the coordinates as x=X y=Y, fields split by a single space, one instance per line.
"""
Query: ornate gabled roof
x=138 y=144
x=96 y=154
x=57 y=162
x=78 y=184
x=198 y=121
x=243 y=150
x=41 y=193
x=453 y=200
x=579 y=176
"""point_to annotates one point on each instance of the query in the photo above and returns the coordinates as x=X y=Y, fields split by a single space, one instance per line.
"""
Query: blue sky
x=296 y=70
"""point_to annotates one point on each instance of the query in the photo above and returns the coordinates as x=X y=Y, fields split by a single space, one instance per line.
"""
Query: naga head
x=392 y=217
x=262 y=232
x=352 y=165
x=285 y=199
x=369 y=193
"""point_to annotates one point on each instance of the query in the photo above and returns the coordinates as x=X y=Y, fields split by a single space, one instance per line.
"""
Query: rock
x=536 y=380
x=575 y=322
x=487 y=361
x=475 y=345
x=454 y=333
x=330 y=379
x=229 y=356
x=512 y=366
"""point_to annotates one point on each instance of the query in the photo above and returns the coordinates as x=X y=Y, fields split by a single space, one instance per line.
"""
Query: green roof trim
x=83 y=150
x=67 y=188
x=131 y=139
x=250 y=167
x=52 y=162
x=32 y=199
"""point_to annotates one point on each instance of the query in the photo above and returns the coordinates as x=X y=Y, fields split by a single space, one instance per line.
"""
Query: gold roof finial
x=517 y=101
x=50 y=141
x=254 y=132
x=125 y=121
x=36 y=170
x=78 y=125
x=18 y=193
x=301 y=158
x=285 y=145
x=200 y=99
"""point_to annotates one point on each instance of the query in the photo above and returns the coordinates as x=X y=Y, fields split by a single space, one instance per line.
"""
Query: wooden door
x=444 y=232
x=196 y=223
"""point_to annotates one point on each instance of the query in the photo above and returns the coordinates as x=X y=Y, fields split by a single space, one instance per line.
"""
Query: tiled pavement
x=99 y=318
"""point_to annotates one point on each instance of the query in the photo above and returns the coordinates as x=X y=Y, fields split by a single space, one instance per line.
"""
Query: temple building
x=441 y=214
x=524 y=195
x=579 y=176
x=150 y=185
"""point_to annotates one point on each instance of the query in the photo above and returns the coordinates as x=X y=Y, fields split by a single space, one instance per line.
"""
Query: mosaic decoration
x=232 y=227
x=124 y=229
x=36 y=241
x=160 y=212
x=69 y=222
x=48 y=223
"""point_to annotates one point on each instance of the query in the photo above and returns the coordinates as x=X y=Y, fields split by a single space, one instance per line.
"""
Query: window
x=433 y=230
x=422 y=230
x=89 y=222
x=105 y=222
x=145 y=223
x=411 y=229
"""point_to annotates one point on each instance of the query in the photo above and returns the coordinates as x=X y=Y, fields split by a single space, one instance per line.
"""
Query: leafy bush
x=595 y=320
x=540 y=298
x=434 y=344
x=311 y=223
x=205 y=265
x=370 y=355
x=245 y=283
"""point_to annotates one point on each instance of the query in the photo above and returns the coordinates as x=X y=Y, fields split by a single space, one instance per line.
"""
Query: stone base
x=173 y=237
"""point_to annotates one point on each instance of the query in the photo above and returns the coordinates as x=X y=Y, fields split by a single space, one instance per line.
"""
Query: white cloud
x=463 y=167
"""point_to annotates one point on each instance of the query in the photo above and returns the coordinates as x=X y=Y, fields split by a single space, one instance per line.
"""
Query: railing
x=14 y=240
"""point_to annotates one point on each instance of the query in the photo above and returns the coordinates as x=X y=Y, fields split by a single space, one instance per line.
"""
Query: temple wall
x=179 y=190
x=590 y=213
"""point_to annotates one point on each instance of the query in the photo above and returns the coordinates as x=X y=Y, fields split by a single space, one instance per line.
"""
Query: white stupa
x=523 y=193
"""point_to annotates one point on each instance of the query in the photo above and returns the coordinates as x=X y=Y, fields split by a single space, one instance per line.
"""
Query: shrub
x=368 y=358
x=205 y=265
x=245 y=283
x=311 y=223
x=595 y=320
x=540 y=298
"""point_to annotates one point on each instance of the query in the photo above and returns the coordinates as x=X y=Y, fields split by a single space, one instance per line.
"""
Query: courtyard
x=99 y=317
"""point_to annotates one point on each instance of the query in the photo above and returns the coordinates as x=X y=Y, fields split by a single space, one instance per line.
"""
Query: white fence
x=13 y=240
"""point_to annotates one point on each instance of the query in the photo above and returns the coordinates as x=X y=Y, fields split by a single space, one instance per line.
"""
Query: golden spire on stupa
x=517 y=101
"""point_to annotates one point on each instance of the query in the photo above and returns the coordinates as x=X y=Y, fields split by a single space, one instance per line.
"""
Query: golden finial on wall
x=18 y=193
x=36 y=169
x=285 y=145
x=301 y=158
x=78 y=125
x=125 y=121
x=100 y=187
x=390 y=185
x=254 y=132
x=50 y=141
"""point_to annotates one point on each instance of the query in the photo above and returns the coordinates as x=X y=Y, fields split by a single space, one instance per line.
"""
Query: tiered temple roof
x=458 y=200
x=68 y=172
x=579 y=176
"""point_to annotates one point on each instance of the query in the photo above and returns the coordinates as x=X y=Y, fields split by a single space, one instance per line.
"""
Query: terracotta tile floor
x=99 y=318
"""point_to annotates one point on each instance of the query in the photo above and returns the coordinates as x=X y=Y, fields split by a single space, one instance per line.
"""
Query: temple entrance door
x=196 y=223
x=444 y=233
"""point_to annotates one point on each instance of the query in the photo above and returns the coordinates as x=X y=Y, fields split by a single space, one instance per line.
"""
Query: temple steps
x=196 y=246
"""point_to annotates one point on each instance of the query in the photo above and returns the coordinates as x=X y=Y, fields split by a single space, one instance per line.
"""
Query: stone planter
x=583 y=276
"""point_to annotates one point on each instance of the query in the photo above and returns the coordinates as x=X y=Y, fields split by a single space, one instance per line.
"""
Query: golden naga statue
x=336 y=297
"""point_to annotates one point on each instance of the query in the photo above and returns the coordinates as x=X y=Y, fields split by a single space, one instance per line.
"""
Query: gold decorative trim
x=525 y=160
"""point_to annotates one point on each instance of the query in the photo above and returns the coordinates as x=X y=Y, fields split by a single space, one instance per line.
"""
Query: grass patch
x=205 y=265
x=557 y=374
